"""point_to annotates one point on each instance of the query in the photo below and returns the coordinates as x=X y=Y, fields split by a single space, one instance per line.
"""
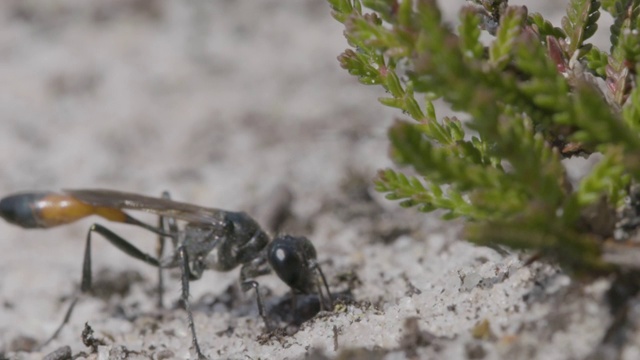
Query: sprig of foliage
x=545 y=28
x=597 y=61
x=607 y=178
x=413 y=192
x=580 y=22
x=631 y=110
x=535 y=95
x=609 y=6
x=625 y=49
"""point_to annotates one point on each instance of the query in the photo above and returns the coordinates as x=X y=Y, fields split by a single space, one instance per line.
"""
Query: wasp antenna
x=326 y=286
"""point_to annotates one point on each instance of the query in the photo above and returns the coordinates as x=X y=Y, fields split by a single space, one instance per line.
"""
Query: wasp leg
x=167 y=225
x=85 y=283
x=67 y=316
x=256 y=267
x=188 y=275
x=252 y=284
x=159 y=253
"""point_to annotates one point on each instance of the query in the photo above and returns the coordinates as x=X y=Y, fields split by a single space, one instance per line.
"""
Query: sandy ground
x=223 y=103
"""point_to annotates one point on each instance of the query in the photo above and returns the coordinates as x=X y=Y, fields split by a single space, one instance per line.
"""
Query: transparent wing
x=159 y=206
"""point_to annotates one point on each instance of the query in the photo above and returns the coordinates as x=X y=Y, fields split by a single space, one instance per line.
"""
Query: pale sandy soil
x=222 y=102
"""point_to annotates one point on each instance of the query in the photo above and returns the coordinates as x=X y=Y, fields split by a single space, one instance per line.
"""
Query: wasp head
x=292 y=258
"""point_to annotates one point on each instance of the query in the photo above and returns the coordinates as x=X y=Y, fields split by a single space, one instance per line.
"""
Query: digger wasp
x=201 y=238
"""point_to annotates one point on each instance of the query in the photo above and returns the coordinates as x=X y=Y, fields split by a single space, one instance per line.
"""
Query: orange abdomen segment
x=48 y=209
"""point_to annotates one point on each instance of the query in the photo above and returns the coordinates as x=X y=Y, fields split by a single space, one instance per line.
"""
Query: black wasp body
x=210 y=239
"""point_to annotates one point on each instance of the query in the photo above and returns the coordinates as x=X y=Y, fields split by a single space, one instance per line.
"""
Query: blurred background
x=219 y=102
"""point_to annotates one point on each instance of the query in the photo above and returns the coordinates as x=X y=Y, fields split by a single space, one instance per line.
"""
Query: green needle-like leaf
x=529 y=97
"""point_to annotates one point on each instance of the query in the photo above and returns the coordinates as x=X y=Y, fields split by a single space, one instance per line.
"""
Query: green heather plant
x=534 y=94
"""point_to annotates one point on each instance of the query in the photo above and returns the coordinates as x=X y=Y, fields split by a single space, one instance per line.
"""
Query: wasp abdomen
x=18 y=209
x=48 y=209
